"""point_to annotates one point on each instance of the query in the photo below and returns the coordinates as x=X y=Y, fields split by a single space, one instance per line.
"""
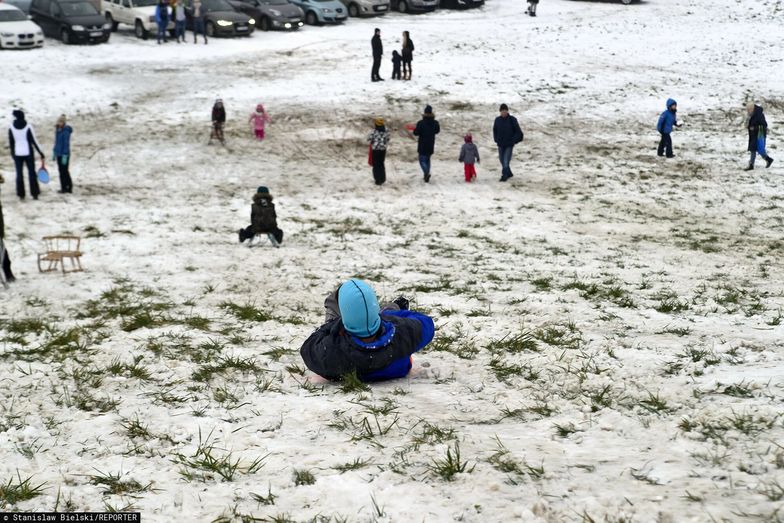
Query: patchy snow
x=639 y=302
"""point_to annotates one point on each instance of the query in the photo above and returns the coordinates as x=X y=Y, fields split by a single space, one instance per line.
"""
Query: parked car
x=412 y=6
x=17 y=31
x=24 y=5
x=461 y=4
x=221 y=19
x=139 y=14
x=322 y=11
x=366 y=7
x=271 y=14
x=72 y=21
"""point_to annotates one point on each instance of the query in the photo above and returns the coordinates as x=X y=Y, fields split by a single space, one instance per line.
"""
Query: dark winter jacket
x=19 y=125
x=426 y=129
x=331 y=352
x=396 y=59
x=758 y=127
x=506 y=131
x=262 y=214
x=162 y=14
x=62 y=140
x=219 y=114
x=469 y=154
x=408 y=51
x=668 y=119
x=2 y=224
x=378 y=47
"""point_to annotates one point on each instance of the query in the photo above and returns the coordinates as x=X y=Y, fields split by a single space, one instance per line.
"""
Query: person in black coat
x=378 y=53
x=21 y=140
x=426 y=130
x=6 y=260
x=506 y=133
x=408 y=55
x=758 y=133
x=263 y=219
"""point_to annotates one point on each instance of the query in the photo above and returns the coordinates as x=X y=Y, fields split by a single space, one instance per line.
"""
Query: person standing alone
x=758 y=133
x=408 y=55
x=62 y=153
x=506 y=134
x=667 y=120
x=426 y=130
x=21 y=139
x=378 y=53
x=378 y=140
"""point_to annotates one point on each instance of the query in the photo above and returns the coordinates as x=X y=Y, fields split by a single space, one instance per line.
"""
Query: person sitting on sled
x=359 y=336
x=263 y=219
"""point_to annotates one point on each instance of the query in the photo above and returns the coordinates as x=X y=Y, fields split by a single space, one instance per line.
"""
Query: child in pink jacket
x=259 y=119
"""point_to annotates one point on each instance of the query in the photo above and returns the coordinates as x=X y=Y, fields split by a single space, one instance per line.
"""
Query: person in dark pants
x=396 y=61
x=378 y=140
x=532 y=7
x=758 y=133
x=667 y=120
x=162 y=20
x=506 y=134
x=197 y=13
x=6 y=260
x=378 y=53
x=62 y=153
x=21 y=139
x=408 y=55
x=218 y=120
x=263 y=219
x=359 y=336
x=426 y=130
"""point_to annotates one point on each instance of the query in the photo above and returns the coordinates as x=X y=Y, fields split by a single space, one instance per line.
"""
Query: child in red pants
x=259 y=120
x=469 y=155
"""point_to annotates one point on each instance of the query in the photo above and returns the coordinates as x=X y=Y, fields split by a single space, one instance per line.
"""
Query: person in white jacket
x=21 y=140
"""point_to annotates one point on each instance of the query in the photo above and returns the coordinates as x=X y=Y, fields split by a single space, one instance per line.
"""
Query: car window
x=41 y=5
x=54 y=9
x=12 y=15
x=275 y=2
x=126 y=3
x=145 y=3
x=216 y=5
x=78 y=8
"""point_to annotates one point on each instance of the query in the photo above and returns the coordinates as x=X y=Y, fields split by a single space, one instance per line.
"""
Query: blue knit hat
x=262 y=190
x=359 y=308
x=428 y=109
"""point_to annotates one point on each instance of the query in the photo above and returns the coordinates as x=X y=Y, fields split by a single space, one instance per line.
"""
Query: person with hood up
x=408 y=55
x=62 y=153
x=426 y=130
x=469 y=155
x=758 y=133
x=506 y=134
x=21 y=140
x=359 y=336
x=378 y=140
x=218 y=120
x=259 y=118
x=667 y=120
x=263 y=219
x=378 y=52
x=162 y=20
x=4 y=258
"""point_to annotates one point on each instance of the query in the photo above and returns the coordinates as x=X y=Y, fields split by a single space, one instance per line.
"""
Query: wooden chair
x=58 y=248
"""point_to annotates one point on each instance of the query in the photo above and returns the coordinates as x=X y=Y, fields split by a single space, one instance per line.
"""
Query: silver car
x=366 y=7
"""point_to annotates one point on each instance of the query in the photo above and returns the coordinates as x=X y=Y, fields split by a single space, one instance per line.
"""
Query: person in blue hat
x=360 y=336
x=263 y=219
x=667 y=120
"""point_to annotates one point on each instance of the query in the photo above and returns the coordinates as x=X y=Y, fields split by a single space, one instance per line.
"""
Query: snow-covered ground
x=609 y=342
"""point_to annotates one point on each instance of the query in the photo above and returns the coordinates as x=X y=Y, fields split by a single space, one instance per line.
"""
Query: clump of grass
x=446 y=468
x=115 y=484
x=357 y=464
x=269 y=499
x=432 y=434
x=565 y=430
x=669 y=302
x=654 y=403
x=350 y=383
x=303 y=477
x=542 y=284
x=209 y=462
x=18 y=489
x=245 y=312
x=223 y=364
x=523 y=341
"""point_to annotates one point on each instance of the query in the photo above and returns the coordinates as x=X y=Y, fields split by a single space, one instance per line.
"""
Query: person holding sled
x=426 y=130
x=667 y=120
x=259 y=118
x=408 y=55
x=506 y=134
x=758 y=133
x=378 y=140
x=218 y=120
x=469 y=155
x=263 y=219
x=360 y=336
x=62 y=153
x=21 y=140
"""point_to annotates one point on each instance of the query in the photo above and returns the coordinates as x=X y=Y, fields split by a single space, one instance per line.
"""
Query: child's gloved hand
x=64 y=160
x=401 y=302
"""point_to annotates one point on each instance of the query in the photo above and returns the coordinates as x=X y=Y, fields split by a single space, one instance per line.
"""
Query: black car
x=461 y=4
x=72 y=21
x=271 y=14
x=221 y=19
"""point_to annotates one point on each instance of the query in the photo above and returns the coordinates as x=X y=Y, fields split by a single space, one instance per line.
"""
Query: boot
x=749 y=167
x=242 y=235
x=768 y=162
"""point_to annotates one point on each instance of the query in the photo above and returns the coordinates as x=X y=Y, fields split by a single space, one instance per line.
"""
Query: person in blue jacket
x=506 y=134
x=359 y=336
x=162 y=20
x=62 y=153
x=667 y=121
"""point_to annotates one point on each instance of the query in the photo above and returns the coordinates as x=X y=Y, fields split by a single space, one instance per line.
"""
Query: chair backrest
x=62 y=243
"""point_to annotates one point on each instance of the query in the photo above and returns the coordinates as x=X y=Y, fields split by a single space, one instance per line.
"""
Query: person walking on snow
x=263 y=219
x=62 y=153
x=758 y=133
x=378 y=140
x=469 y=155
x=408 y=55
x=259 y=119
x=197 y=13
x=179 y=20
x=667 y=120
x=426 y=130
x=378 y=52
x=5 y=260
x=21 y=140
x=162 y=20
x=361 y=337
x=506 y=134
x=532 y=7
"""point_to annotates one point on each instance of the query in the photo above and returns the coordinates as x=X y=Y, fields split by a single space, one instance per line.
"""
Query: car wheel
x=65 y=36
x=139 y=30
x=110 y=21
x=310 y=18
x=353 y=10
x=210 y=29
x=402 y=6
